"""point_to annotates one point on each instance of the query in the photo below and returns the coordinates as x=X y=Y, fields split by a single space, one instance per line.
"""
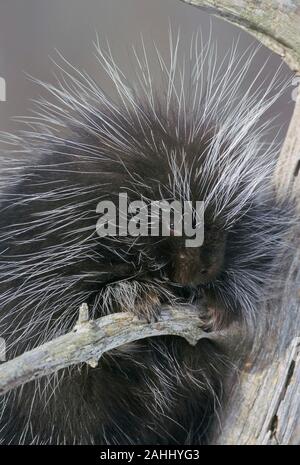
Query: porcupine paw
x=147 y=306
x=217 y=316
x=205 y=313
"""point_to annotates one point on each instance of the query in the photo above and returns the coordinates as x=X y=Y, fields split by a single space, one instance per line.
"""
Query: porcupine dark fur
x=194 y=138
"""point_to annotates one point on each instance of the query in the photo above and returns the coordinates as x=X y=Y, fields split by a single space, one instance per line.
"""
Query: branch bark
x=91 y=338
x=275 y=23
x=264 y=406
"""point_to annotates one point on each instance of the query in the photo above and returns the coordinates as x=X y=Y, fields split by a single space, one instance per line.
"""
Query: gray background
x=31 y=30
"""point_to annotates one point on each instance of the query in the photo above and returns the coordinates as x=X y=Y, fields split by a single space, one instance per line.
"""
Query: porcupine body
x=196 y=138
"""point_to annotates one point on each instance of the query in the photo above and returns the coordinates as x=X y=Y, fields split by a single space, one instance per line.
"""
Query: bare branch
x=275 y=23
x=91 y=338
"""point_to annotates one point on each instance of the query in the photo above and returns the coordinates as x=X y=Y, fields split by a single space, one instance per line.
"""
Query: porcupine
x=194 y=137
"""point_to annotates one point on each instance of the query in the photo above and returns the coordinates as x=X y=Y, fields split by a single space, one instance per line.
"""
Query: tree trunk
x=264 y=406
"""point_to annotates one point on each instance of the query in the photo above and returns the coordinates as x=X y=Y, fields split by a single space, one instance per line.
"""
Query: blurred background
x=32 y=30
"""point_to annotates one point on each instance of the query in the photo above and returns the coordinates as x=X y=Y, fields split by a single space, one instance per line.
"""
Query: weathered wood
x=264 y=405
x=276 y=23
x=91 y=338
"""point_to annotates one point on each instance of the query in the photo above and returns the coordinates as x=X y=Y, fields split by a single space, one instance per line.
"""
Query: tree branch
x=275 y=23
x=91 y=338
